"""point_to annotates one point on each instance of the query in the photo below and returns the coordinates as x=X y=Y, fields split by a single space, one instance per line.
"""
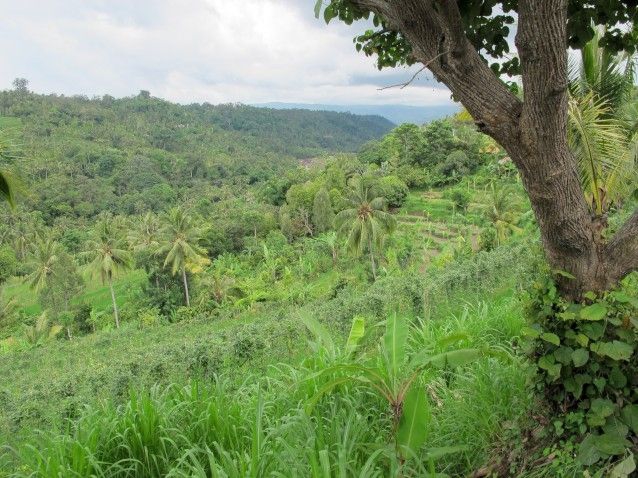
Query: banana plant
x=396 y=375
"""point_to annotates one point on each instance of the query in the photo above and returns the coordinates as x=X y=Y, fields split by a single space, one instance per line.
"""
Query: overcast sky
x=248 y=51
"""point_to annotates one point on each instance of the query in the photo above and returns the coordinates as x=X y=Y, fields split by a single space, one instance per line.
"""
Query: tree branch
x=403 y=85
x=435 y=30
x=623 y=249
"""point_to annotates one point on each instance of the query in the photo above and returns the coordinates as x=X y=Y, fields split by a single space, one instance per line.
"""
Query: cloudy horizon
x=248 y=51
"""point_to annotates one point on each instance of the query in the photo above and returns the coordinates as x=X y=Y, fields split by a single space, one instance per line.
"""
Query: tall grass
x=262 y=427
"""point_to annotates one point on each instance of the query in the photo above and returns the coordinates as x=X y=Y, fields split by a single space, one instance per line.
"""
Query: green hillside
x=230 y=291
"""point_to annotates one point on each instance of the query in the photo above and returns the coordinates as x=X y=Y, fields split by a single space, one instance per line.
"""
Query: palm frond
x=599 y=143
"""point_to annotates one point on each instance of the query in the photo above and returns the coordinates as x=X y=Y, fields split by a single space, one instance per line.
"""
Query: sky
x=216 y=51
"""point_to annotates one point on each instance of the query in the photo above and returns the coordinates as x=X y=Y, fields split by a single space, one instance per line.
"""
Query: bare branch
x=425 y=65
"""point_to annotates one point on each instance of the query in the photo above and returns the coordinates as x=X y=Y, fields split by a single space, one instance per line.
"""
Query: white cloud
x=194 y=50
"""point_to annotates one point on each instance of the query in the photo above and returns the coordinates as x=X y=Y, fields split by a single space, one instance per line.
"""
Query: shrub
x=415 y=177
x=393 y=189
x=587 y=369
x=459 y=197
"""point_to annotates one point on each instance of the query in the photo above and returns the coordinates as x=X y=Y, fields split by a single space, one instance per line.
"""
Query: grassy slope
x=98 y=295
x=45 y=385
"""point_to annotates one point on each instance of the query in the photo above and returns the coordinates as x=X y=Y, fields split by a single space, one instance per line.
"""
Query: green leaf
x=614 y=426
x=589 y=295
x=593 y=312
x=588 y=453
x=612 y=444
x=625 y=468
x=318 y=6
x=593 y=330
x=616 y=350
x=440 y=452
x=395 y=338
x=320 y=333
x=600 y=383
x=530 y=332
x=624 y=298
x=329 y=13
x=452 y=339
x=551 y=338
x=580 y=357
x=582 y=340
x=563 y=274
x=548 y=363
x=617 y=378
x=413 y=426
x=357 y=331
x=602 y=407
x=455 y=358
x=629 y=415
x=564 y=354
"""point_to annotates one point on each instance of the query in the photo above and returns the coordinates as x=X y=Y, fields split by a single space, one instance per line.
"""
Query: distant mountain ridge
x=397 y=114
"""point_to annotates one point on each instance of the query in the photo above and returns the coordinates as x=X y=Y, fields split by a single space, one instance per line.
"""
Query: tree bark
x=115 y=312
x=186 y=294
x=532 y=131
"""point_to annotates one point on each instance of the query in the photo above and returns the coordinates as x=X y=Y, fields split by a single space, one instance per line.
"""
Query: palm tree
x=107 y=257
x=365 y=223
x=180 y=246
x=598 y=140
x=605 y=75
x=330 y=239
x=22 y=235
x=501 y=213
x=45 y=255
x=146 y=235
x=601 y=130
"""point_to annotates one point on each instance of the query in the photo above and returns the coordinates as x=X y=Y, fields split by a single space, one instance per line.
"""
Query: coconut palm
x=600 y=124
x=21 y=236
x=599 y=142
x=180 y=246
x=145 y=236
x=107 y=256
x=365 y=223
x=330 y=239
x=605 y=75
x=44 y=256
x=501 y=212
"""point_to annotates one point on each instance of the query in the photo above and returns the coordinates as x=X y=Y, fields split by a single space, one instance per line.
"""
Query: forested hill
x=169 y=126
x=79 y=156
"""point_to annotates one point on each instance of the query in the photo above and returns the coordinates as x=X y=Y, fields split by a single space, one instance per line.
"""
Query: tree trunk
x=115 y=312
x=533 y=131
x=188 y=299
x=374 y=266
x=68 y=333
